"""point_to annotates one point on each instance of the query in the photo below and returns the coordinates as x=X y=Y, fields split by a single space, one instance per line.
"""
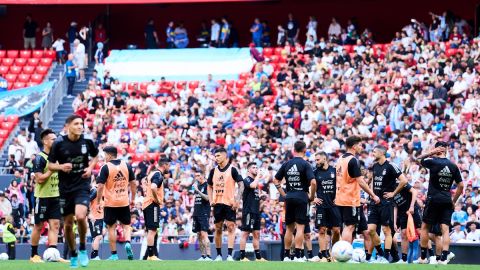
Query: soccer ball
x=359 y=255
x=3 y=257
x=51 y=255
x=342 y=251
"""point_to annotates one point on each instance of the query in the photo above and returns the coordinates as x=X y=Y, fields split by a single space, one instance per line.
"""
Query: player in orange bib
x=154 y=194
x=221 y=193
x=349 y=181
x=115 y=180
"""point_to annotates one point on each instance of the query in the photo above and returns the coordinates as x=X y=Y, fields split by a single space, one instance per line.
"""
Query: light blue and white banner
x=24 y=101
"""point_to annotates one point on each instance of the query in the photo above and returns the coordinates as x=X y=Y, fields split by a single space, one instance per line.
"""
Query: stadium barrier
x=271 y=250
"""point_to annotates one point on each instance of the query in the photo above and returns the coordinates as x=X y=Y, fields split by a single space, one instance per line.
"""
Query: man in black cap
x=439 y=205
x=221 y=193
x=112 y=186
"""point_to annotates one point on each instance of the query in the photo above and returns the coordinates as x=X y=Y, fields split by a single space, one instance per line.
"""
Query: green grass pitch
x=193 y=265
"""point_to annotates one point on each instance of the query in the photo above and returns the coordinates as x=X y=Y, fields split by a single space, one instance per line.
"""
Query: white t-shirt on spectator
x=113 y=136
x=152 y=88
x=215 y=32
x=31 y=148
x=334 y=29
x=268 y=68
x=474 y=236
x=58 y=45
x=330 y=146
x=455 y=236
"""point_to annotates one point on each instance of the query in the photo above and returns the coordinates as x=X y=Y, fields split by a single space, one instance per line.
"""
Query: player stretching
x=327 y=213
x=251 y=212
x=349 y=181
x=70 y=157
x=299 y=178
x=221 y=193
x=439 y=205
x=201 y=215
x=115 y=177
x=385 y=175
x=153 y=189
x=47 y=204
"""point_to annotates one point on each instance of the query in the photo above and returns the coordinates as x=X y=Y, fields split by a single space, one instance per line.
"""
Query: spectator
x=266 y=34
x=181 y=36
x=459 y=216
x=59 y=49
x=72 y=34
x=47 y=37
x=224 y=33
x=3 y=84
x=457 y=234
x=281 y=36
x=170 y=32
x=204 y=35
x=80 y=59
x=214 y=33
x=100 y=35
x=292 y=29
x=33 y=122
x=334 y=29
x=30 y=29
x=99 y=58
x=474 y=234
x=312 y=28
x=151 y=37
x=71 y=74
x=5 y=206
x=257 y=32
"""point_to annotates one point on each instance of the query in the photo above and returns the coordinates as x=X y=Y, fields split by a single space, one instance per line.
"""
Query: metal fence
x=54 y=99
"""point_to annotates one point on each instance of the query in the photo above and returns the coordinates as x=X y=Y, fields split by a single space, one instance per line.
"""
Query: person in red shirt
x=100 y=34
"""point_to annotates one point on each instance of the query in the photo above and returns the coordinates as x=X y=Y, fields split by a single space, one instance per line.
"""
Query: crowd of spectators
x=405 y=95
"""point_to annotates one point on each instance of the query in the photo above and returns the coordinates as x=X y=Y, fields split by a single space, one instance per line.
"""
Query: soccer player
x=201 y=215
x=154 y=194
x=114 y=180
x=439 y=205
x=385 y=175
x=327 y=213
x=405 y=203
x=251 y=212
x=47 y=204
x=95 y=221
x=70 y=158
x=221 y=193
x=349 y=181
x=299 y=178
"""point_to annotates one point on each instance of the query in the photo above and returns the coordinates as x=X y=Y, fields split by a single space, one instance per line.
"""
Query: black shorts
x=96 y=227
x=437 y=213
x=114 y=214
x=47 y=208
x=380 y=214
x=69 y=200
x=328 y=217
x=222 y=212
x=151 y=215
x=200 y=224
x=296 y=210
x=250 y=222
x=436 y=230
x=362 y=221
x=402 y=219
x=350 y=214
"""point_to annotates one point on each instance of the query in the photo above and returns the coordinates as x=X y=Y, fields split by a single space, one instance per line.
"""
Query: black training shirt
x=297 y=173
x=326 y=186
x=251 y=198
x=385 y=178
x=442 y=175
x=201 y=207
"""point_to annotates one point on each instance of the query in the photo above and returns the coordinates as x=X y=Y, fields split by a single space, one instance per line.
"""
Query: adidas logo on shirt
x=445 y=172
x=293 y=170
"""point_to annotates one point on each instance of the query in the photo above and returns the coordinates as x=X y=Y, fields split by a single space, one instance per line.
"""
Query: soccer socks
x=423 y=253
x=219 y=251
x=94 y=254
x=230 y=251
x=431 y=252
x=310 y=254
x=73 y=253
x=114 y=252
x=379 y=251
x=297 y=253
x=34 y=250
x=258 y=256
x=386 y=253
x=82 y=246
x=368 y=256
x=150 y=251
x=242 y=254
x=404 y=257
x=286 y=253
x=444 y=255
x=302 y=253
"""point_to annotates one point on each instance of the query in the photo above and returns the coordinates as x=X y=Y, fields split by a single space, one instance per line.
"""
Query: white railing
x=54 y=99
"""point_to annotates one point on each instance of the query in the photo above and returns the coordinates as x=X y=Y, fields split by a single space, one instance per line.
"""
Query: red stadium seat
x=30 y=84
x=8 y=126
x=7 y=62
x=18 y=85
x=23 y=78
x=230 y=84
x=267 y=52
x=244 y=75
x=28 y=69
x=3 y=133
x=274 y=58
x=33 y=62
x=3 y=70
x=240 y=84
x=132 y=86
x=143 y=86
x=278 y=51
x=50 y=54
x=181 y=85
x=2 y=118
x=348 y=48
x=20 y=62
x=37 y=54
x=25 y=54
x=12 y=119
x=41 y=70
x=193 y=85
x=15 y=70
x=12 y=53
x=46 y=62
x=3 y=53
x=36 y=78
x=11 y=78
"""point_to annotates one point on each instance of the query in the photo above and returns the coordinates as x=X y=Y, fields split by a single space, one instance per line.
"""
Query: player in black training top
x=439 y=205
x=299 y=178
x=327 y=213
x=70 y=156
x=251 y=211
x=385 y=175
x=201 y=215
x=405 y=203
